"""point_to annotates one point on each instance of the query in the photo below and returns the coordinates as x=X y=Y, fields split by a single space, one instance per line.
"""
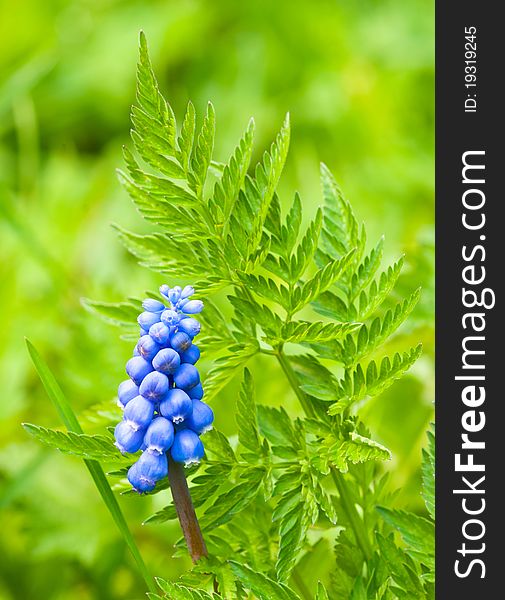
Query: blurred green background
x=357 y=78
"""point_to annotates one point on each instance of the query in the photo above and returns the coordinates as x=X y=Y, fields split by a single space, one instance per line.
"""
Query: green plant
x=287 y=487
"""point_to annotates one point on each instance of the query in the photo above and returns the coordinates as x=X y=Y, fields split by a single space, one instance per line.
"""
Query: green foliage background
x=357 y=80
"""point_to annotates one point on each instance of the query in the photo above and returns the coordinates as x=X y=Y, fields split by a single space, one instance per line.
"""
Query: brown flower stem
x=186 y=511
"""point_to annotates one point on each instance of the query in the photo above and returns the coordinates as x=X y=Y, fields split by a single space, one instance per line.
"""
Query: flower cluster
x=162 y=399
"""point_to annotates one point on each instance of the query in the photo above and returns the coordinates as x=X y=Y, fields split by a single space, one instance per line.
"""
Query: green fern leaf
x=261 y=585
x=92 y=447
x=357 y=384
x=246 y=417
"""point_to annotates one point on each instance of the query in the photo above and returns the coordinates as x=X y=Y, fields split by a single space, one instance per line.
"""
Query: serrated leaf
x=354 y=449
x=276 y=426
x=226 y=367
x=117 y=313
x=219 y=447
x=247 y=421
x=151 y=101
x=428 y=470
x=320 y=282
x=417 y=532
x=233 y=501
x=298 y=332
x=331 y=305
x=267 y=288
x=187 y=137
x=202 y=152
x=292 y=531
x=409 y=584
x=226 y=190
x=358 y=384
x=372 y=298
x=176 y=591
x=365 y=271
x=261 y=585
x=370 y=337
x=302 y=256
x=267 y=175
x=340 y=225
x=92 y=447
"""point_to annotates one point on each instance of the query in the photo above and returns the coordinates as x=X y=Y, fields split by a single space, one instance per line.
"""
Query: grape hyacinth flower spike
x=164 y=415
x=164 y=384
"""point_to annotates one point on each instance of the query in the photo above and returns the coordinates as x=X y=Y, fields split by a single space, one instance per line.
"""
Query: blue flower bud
x=190 y=326
x=147 y=319
x=187 y=292
x=192 y=307
x=160 y=333
x=127 y=438
x=196 y=393
x=180 y=341
x=147 y=347
x=126 y=391
x=166 y=361
x=139 y=483
x=186 y=376
x=164 y=289
x=201 y=418
x=138 y=413
x=149 y=469
x=176 y=405
x=180 y=305
x=170 y=318
x=187 y=447
x=153 y=466
x=159 y=436
x=137 y=368
x=174 y=294
x=191 y=355
x=154 y=386
x=154 y=306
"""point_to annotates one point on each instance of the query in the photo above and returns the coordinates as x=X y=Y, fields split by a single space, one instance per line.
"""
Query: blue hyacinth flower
x=147 y=471
x=188 y=291
x=147 y=319
x=186 y=377
x=128 y=439
x=138 y=413
x=126 y=391
x=201 y=417
x=170 y=317
x=190 y=326
x=147 y=347
x=167 y=361
x=154 y=306
x=137 y=368
x=154 y=386
x=192 y=307
x=196 y=393
x=180 y=341
x=191 y=355
x=176 y=405
x=160 y=333
x=187 y=447
x=159 y=436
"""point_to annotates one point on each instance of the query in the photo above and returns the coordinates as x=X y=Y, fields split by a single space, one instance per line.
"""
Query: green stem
x=300 y=584
x=185 y=511
x=71 y=422
x=291 y=376
x=352 y=514
x=347 y=503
